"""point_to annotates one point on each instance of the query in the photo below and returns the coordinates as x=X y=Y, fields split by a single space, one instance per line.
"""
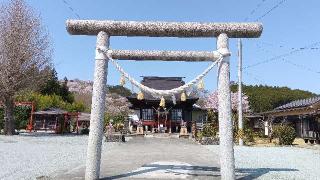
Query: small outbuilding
x=58 y=120
x=303 y=115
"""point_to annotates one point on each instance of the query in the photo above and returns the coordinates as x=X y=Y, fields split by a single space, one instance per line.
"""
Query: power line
x=283 y=55
x=263 y=49
x=71 y=9
x=254 y=10
x=282 y=46
x=270 y=10
x=301 y=66
x=254 y=77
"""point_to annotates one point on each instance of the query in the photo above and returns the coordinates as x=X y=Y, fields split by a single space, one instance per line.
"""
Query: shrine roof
x=300 y=103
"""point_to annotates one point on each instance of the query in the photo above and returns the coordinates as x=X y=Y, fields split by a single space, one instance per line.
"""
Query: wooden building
x=58 y=120
x=302 y=114
x=158 y=119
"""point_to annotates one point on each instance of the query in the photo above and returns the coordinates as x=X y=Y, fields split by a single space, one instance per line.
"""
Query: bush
x=285 y=133
x=209 y=130
x=259 y=134
x=22 y=116
x=50 y=101
x=247 y=135
x=199 y=136
x=117 y=121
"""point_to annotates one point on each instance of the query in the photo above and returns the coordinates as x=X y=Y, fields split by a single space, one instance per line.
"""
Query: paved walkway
x=154 y=158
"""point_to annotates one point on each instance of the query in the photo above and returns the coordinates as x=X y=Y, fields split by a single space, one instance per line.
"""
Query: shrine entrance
x=220 y=58
x=163 y=125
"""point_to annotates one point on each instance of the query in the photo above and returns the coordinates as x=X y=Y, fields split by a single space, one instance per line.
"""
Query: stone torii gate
x=104 y=29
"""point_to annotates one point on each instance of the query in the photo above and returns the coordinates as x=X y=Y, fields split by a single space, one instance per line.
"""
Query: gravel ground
x=40 y=155
x=276 y=162
x=63 y=157
x=154 y=158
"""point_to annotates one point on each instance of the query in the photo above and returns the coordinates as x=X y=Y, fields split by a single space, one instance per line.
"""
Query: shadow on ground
x=48 y=134
x=198 y=171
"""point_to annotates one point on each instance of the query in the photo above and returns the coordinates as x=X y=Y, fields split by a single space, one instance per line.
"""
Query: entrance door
x=163 y=123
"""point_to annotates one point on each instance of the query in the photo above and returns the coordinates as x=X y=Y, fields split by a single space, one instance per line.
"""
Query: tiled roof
x=299 y=103
x=162 y=83
x=51 y=111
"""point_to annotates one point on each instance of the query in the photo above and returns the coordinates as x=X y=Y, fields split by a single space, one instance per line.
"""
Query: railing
x=311 y=134
x=199 y=126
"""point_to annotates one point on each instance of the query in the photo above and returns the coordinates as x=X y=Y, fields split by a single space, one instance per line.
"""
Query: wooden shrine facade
x=59 y=121
x=170 y=118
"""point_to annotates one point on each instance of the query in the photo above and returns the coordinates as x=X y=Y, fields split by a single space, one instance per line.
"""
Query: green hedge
x=209 y=130
x=285 y=133
x=50 y=101
x=21 y=115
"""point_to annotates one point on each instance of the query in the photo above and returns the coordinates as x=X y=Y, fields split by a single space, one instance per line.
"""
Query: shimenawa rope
x=154 y=92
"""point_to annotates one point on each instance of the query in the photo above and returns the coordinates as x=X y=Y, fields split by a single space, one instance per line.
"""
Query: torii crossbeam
x=104 y=29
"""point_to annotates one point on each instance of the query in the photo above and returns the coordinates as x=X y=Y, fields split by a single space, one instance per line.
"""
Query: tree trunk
x=9 y=124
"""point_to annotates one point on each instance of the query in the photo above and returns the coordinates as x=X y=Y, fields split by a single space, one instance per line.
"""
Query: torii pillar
x=105 y=29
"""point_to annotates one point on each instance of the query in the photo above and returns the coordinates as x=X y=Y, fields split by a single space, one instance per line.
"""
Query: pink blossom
x=212 y=102
x=117 y=105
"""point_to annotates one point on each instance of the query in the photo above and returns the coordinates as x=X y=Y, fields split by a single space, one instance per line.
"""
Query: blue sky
x=294 y=24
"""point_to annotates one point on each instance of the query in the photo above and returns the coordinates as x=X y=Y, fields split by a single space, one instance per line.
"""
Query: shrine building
x=168 y=119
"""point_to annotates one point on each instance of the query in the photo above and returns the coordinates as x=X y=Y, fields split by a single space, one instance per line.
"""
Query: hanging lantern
x=201 y=85
x=140 y=96
x=183 y=96
x=162 y=102
x=122 y=80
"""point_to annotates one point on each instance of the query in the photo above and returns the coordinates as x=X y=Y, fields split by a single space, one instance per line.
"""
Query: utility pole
x=240 y=120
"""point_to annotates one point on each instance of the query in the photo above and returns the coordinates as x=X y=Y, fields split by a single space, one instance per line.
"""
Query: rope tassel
x=140 y=96
x=201 y=85
x=183 y=96
x=162 y=102
x=122 y=80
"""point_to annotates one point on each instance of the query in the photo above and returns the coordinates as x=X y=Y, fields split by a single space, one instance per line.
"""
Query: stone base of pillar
x=140 y=131
x=183 y=132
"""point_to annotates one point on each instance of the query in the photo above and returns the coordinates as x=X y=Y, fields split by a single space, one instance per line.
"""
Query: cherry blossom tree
x=117 y=108
x=116 y=105
x=211 y=102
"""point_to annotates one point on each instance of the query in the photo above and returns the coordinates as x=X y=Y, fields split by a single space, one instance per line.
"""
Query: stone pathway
x=154 y=158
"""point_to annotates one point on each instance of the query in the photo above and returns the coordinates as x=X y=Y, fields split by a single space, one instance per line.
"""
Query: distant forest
x=265 y=98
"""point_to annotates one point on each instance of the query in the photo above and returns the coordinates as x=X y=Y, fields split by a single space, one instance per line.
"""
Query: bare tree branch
x=25 y=51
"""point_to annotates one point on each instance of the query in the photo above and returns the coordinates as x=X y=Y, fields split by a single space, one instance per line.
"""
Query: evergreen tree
x=265 y=98
x=52 y=85
x=64 y=91
x=120 y=90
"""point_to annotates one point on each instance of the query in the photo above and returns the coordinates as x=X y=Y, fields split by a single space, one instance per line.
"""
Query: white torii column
x=224 y=110
x=97 y=110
